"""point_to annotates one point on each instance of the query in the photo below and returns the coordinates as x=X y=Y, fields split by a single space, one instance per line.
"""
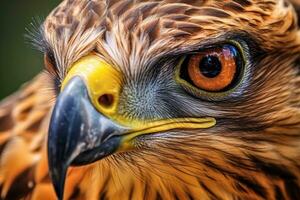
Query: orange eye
x=213 y=70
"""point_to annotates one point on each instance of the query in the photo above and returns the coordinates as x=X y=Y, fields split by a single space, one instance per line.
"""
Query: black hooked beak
x=78 y=133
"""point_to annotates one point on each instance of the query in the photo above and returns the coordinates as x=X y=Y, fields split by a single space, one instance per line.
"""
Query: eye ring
x=206 y=86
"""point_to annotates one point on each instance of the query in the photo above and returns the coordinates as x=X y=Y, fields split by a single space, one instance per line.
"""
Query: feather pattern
x=252 y=153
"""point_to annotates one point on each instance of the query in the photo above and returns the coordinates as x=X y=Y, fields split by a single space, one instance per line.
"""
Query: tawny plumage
x=172 y=99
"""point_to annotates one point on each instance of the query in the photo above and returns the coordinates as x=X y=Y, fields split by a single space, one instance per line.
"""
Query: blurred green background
x=19 y=62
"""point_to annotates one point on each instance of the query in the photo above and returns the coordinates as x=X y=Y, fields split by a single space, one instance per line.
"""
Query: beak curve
x=78 y=133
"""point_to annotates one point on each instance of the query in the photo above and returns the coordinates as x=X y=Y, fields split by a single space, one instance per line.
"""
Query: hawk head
x=182 y=97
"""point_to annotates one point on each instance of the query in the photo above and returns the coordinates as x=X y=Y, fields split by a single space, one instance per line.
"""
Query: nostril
x=106 y=100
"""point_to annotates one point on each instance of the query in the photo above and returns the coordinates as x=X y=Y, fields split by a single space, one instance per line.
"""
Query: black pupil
x=210 y=66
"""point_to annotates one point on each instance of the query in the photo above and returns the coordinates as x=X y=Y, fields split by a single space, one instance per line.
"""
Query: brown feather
x=252 y=153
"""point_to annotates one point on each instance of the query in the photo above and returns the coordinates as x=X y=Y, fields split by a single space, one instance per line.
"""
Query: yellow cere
x=101 y=78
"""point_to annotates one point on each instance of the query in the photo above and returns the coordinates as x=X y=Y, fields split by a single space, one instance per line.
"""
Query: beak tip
x=58 y=180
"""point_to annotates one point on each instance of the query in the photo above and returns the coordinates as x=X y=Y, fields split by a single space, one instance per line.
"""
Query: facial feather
x=251 y=136
x=252 y=153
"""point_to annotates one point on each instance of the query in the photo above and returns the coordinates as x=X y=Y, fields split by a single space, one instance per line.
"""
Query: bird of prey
x=170 y=99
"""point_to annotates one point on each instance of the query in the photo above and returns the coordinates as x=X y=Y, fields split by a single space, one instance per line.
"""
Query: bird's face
x=189 y=84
